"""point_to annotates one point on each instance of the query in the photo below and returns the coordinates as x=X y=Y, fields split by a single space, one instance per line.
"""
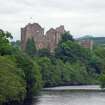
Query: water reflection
x=71 y=97
x=33 y=101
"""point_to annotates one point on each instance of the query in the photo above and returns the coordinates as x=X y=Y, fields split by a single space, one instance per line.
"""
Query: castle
x=87 y=43
x=49 y=40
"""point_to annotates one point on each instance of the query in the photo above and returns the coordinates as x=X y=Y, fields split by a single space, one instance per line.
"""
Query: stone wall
x=86 y=44
x=50 y=40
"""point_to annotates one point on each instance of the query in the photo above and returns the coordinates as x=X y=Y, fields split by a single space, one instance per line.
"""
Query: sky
x=80 y=17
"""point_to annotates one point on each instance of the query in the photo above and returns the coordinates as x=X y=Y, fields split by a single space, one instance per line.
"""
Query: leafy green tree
x=71 y=51
x=79 y=74
x=43 y=53
x=31 y=71
x=99 y=52
x=45 y=65
x=102 y=80
x=66 y=36
x=19 y=75
x=30 y=47
x=97 y=64
x=50 y=72
x=12 y=83
x=16 y=43
x=5 y=47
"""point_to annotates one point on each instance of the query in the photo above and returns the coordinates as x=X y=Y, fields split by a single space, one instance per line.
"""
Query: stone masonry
x=49 y=40
x=87 y=43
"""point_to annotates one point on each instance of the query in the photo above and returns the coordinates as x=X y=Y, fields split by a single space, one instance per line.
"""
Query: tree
x=71 y=51
x=102 y=80
x=5 y=47
x=43 y=52
x=66 y=36
x=16 y=43
x=31 y=71
x=12 y=83
x=20 y=76
x=97 y=64
x=99 y=52
x=30 y=47
x=45 y=66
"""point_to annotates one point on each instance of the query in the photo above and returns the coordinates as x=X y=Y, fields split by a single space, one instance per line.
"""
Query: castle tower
x=34 y=31
x=60 y=30
x=50 y=40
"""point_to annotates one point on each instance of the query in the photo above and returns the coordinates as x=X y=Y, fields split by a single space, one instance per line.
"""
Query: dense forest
x=24 y=73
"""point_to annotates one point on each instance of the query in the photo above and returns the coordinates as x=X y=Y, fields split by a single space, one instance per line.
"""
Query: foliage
x=43 y=53
x=19 y=76
x=32 y=73
x=30 y=47
x=71 y=51
x=16 y=44
x=12 y=85
x=66 y=36
x=97 y=64
x=102 y=80
x=60 y=73
x=79 y=74
x=45 y=65
x=100 y=54
x=5 y=47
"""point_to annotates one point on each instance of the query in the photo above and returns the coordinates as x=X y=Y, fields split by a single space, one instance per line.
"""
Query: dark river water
x=71 y=95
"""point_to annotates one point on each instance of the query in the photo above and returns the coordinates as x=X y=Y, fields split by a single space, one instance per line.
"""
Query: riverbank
x=75 y=88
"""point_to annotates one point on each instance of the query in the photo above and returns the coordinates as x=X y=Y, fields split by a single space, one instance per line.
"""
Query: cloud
x=79 y=16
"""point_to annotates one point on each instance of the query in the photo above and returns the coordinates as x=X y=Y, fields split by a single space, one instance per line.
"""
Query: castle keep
x=49 y=40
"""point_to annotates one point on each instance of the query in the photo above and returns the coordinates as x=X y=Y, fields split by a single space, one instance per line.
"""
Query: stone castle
x=49 y=40
x=87 y=43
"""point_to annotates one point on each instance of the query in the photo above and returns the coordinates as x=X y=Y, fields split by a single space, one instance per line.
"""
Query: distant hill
x=96 y=40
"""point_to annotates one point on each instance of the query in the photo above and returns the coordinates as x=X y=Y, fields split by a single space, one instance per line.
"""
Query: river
x=71 y=95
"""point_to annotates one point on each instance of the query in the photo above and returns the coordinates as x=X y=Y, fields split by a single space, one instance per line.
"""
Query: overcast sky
x=80 y=17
